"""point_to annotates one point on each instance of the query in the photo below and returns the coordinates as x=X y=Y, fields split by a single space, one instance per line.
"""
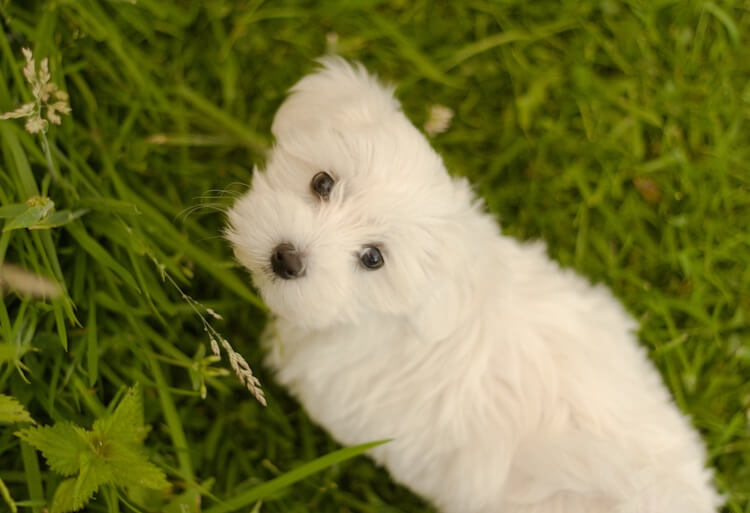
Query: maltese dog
x=505 y=383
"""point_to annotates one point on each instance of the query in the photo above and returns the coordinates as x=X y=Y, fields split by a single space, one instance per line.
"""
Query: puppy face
x=350 y=218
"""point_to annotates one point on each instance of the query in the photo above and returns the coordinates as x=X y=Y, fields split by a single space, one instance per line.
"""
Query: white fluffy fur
x=507 y=384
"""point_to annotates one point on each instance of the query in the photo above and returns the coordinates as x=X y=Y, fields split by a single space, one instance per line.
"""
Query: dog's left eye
x=371 y=257
x=321 y=184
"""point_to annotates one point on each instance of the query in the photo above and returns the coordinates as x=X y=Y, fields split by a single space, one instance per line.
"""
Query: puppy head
x=353 y=215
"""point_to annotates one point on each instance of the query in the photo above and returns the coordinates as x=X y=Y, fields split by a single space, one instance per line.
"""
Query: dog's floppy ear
x=338 y=91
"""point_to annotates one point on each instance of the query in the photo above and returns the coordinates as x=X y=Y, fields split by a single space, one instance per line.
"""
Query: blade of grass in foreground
x=248 y=497
x=176 y=430
x=33 y=476
x=5 y=494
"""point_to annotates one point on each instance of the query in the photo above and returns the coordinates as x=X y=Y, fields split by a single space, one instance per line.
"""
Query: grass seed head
x=49 y=101
x=439 y=120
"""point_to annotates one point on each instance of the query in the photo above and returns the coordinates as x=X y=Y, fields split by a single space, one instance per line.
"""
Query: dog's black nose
x=286 y=262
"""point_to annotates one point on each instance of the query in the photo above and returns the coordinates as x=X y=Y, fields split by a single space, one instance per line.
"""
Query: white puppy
x=506 y=383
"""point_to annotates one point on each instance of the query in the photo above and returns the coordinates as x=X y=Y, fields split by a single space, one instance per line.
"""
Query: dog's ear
x=337 y=93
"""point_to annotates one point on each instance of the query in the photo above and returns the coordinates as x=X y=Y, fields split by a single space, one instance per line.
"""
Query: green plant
x=110 y=454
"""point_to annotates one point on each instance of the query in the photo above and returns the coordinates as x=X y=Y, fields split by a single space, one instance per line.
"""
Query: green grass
x=617 y=131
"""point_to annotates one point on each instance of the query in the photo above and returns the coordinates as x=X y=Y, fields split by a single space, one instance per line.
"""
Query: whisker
x=187 y=212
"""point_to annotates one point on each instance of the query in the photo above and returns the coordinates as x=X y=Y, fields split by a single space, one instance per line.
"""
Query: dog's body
x=505 y=383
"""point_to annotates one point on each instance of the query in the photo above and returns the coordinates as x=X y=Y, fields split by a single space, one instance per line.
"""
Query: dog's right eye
x=321 y=184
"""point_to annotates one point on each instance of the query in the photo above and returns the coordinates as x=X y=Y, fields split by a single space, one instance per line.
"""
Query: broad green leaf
x=94 y=473
x=58 y=219
x=130 y=467
x=33 y=215
x=125 y=424
x=111 y=453
x=12 y=411
x=62 y=445
x=12 y=210
x=37 y=217
x=63 y=499
x=73 y=494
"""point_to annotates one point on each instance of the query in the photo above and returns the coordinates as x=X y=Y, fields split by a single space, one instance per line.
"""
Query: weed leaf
x=58 y=219
x=32 y=216
x=12 y=210
x=130 y=467
x=12 y=411
x=62 y=445
x=125 y=425
x=73 y=494
x=110 y=453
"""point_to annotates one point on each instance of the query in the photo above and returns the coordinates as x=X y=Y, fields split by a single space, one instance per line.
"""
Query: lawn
x=617 y=131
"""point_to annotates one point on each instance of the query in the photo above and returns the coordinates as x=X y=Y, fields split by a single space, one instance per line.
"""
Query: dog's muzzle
x=286 y=262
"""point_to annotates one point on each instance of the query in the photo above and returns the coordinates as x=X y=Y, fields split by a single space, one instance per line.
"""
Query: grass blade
x=254 y=141
x=33 y=476
x=93 y=248
x=245 y=499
